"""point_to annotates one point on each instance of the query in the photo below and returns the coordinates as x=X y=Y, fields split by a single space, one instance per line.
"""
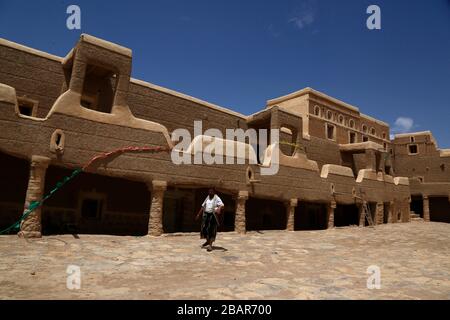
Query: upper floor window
x=384 y=135
x=330 y=131
x=341 y=119
x=364 y=128
x=372 y=131
x=329 y=115
x=317 y=110
x=413 y=149
x=351 y=123
x=27 y=107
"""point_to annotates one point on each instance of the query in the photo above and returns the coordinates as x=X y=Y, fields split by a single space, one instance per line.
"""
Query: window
x=412 y=140
x=351 y=123
x=384 y=145
x=91 y=205
x=329 y=115
x=412 y=149
x=352 y=137
x=330 y=131
x=91 y=208
x=27 y=107
x=384 y=135
x=99 y=88
x=317 y=110
x=365 y=138
x=372 y=131
x=341 y=119
x=364 y=128
x=442 y=166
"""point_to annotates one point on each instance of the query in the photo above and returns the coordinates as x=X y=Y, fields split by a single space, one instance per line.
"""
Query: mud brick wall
x=38 y=78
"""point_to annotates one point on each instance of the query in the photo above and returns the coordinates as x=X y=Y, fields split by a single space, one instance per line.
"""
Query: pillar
x=426 y=208
x=379 y=213
x=390 y=212
x=155 y=224
x=362 y=216
x=239 y=220
x=291 y=205
x=31 y=227
x=330 y=214
x=371 y=160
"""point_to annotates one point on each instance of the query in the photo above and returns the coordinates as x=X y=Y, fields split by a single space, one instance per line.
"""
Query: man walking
x=211 y=208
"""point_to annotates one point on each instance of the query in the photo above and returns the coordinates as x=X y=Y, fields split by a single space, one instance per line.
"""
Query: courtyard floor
x=414 y=261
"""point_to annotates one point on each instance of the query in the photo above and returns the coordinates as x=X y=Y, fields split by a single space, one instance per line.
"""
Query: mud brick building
x=56 y=113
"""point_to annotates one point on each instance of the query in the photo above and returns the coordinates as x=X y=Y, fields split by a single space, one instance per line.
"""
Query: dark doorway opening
x=417 y=205
x=346 y=215
x=14 y=173
x=311 y=216
x=95 y=204
x=181 y=205
x=262 y=214
x=439 y=209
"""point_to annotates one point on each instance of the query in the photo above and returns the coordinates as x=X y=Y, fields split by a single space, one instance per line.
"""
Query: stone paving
x=414 y=259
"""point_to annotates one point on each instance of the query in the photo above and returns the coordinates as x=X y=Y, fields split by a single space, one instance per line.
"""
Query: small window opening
x=27 y=107
x=412 y=148
x=91 y=208
x=317 y=110
x=352 y=138
x=330 y=132
x=365 y=139
x=98 y=88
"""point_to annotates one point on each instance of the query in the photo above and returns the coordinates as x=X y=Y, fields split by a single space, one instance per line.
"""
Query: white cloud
x=273 y=32
x=305 y=15
x=403 y=125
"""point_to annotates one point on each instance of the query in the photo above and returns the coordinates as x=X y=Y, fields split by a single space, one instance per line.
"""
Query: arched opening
x=263 y=214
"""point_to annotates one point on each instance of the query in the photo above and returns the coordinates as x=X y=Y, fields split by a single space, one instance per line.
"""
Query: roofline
x=36 y=52
x=186 y=97
x=43 y=54
x=419 y=133
x=365 y=116
x=309 y=90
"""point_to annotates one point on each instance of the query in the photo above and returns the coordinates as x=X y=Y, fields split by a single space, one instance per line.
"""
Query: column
x=330 y=213
x=362 y=215
x=426 y=208
x=391 y=212
x=290 y=208
x=371 y=160
x=155 y=224
x=239 y=220
x=379 y=214
x=31 y=227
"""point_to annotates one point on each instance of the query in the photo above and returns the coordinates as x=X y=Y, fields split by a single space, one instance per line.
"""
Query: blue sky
x=238 y=54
